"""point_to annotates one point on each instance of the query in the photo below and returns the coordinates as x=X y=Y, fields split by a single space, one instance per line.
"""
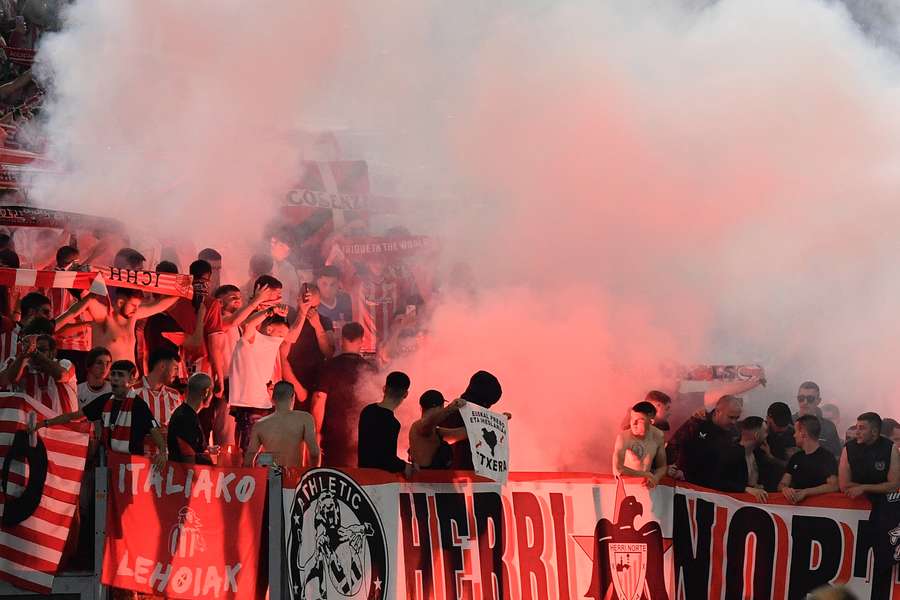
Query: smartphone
x=304 y=292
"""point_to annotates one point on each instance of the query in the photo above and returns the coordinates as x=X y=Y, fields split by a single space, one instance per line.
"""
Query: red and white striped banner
x=72 y=280
x=31 y=550
x=167 y=284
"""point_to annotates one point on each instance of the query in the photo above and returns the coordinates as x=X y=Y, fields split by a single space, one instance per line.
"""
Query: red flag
x=31 y=550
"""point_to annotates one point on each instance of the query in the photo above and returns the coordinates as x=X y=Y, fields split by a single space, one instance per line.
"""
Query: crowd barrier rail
x=359 y=533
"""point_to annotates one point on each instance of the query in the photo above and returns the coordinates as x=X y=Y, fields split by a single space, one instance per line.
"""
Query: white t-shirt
x=232 y=335
x=252 y=368
x=86 y=394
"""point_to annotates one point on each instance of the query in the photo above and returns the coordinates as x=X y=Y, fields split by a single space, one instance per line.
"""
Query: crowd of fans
x=797 y=455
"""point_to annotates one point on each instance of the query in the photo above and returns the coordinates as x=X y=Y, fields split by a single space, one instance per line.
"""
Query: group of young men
x=797 y=455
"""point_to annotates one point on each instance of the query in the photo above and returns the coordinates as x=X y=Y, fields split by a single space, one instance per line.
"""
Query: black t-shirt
x=780 y=441
x=378 y=433
x=338 y=380
x=184 y=429
x=305 y=357
x=828 y=437
x=869 y=463
x=142 y=420
x=811 y=470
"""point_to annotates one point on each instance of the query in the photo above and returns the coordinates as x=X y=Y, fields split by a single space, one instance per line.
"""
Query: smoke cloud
x=631 y=183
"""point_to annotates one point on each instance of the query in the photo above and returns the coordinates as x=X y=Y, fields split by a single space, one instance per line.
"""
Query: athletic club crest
x=336 y=545
x=628 y=562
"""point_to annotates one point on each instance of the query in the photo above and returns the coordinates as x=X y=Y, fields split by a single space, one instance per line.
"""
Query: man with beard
x=113 y=326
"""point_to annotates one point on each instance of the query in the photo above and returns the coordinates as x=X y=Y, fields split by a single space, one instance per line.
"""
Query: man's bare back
x=283 y=434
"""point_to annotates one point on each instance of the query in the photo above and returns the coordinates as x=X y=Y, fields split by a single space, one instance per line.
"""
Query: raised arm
x=251 y=324
x=155 y=306
x=264 y=294
x=88 y=303
x=733 y=388
x=432 y=419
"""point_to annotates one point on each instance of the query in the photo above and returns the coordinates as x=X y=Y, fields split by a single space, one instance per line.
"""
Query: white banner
x=489 y=439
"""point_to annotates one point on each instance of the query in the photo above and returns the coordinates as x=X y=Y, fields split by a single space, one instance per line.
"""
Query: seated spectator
x=379 y=429
x=701 y=442
x=808 y=400
x=284 y=433
x=185 y=439
x=738 y=471
x=429 y=445
x=640 y=450
x=99 y=361
x=124 y=420
x=813 y=470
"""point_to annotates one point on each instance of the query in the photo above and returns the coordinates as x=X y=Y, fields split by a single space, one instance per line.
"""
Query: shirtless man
x=640 y=450
x=429 y=445
x=284 y=433
x=113 y=326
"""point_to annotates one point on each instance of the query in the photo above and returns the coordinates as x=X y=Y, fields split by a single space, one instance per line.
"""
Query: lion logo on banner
x=336 y=543
x=628 y=562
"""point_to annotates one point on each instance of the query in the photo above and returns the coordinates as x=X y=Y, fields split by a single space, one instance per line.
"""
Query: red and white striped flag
x=30 y=551
x=72 y=280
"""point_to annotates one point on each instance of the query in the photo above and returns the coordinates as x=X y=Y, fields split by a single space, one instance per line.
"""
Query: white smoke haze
x=634 y=182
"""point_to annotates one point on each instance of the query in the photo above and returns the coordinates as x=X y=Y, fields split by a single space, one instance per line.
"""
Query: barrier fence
x=199 y=532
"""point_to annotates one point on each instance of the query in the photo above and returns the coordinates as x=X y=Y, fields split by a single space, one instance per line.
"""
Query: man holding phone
x=304 y=356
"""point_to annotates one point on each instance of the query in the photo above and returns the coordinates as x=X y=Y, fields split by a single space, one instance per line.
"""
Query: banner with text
x=488 y=434
x=189 y=532
x=364 y=534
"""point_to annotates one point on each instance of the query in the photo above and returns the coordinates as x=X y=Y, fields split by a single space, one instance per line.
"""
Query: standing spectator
x=808 y=400
x=303 y=356
x=738 y=469
x=125 y=420
x=702 y=441
x=36 y=372
x=255 y=364
x=429 y=445
x=155 y=388
x=779 y=446
x=260 y=264
x=129 y=258
x=185 y=437
x=336 y=403
x=484 y=390
x=813 y=470
x=280 y=249
x=833 y=414
x=890 y=429
x=99 y=362
x=334 y=303
x=214 y=259
x=870 y=465
x=662 y=404
x=284 y=433
x=31 y=306
x=379 y=429
x=73 y=341
x=640 y=450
